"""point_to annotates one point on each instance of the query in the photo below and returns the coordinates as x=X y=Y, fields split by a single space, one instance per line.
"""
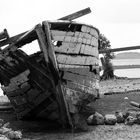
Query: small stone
x=125 y=98
x=1 y=122
x=14 y=135
x=119 y=116
x=2 y=137
x=130 y=120
x=110 y=119
x=4 y=130
x=138 y=118
x=95 y=119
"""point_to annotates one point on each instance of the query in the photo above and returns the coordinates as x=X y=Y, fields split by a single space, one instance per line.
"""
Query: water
x=131 y=73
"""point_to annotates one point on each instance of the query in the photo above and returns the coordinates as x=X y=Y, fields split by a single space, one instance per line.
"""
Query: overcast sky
x=118 y=20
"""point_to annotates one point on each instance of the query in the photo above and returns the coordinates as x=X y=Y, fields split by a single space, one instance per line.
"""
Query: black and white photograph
x=69 y=70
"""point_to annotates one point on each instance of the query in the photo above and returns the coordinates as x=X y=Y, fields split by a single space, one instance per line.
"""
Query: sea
x=130 y=73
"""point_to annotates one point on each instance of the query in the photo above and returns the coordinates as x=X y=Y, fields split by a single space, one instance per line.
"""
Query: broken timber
x=58 y=82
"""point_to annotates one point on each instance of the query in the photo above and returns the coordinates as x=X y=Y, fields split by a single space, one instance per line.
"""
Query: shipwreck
x=57 y=82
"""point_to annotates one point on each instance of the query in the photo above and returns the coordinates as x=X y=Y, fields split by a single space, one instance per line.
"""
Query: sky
x=118 y=20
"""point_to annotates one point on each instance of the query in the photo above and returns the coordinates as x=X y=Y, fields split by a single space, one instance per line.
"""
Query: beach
x=112 y=97
x=119 y=85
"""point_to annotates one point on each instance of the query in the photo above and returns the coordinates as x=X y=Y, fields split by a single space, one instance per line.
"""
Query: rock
x=7 y=125
x=110 y=119
x=138 y=118
x=130 y=120
x=125 y=115
x=2 y=137
x=4 y=130
x=9 y=133
x=14 y=135
x=1 y=122
x=119 y=116
x=95 y=119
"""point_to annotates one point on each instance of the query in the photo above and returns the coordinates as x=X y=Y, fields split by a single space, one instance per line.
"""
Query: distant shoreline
x=126 y=66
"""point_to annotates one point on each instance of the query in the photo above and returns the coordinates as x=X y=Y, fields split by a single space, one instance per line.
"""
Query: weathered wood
x=10 y=88
x=83 y=71
x=92 y=41
x=32 y=94
x=42 y=43
x=64 y=114
x=76 y=60
x=21 y=78
x=80 y=79
x=68 y=48
x=77 y=48
x=76 y=87
x=90 y=30
x=25 y=86
x=76 y=14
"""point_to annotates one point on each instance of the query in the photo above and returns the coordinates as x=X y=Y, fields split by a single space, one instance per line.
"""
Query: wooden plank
x=77 y=60
x=77 y=48
x=22 y=114
x=19 y=100
x=64 y=114
x=10 y=88
x=89 y=50
x=25 y=86
x=80 y=79
x=42 y=43
x=90 y=30
x=89 y=41
x=68 y=48
x=21 y=78
x=59 y=33
x=76 y=14
x=84 y=71
x=76 y=34
x=81 y=88
x=32 y=94
x=11 y=39
x=22 y=39
x=14 y=93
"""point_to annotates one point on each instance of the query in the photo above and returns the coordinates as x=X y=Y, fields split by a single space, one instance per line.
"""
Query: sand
x=120 y=85
x=107 y=104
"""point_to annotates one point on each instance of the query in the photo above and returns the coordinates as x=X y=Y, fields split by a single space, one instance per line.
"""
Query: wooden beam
x=76 y=14
x=119 y=49
x=64 y=113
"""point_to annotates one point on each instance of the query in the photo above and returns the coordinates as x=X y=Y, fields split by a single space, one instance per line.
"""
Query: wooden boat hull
x=34 y=86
